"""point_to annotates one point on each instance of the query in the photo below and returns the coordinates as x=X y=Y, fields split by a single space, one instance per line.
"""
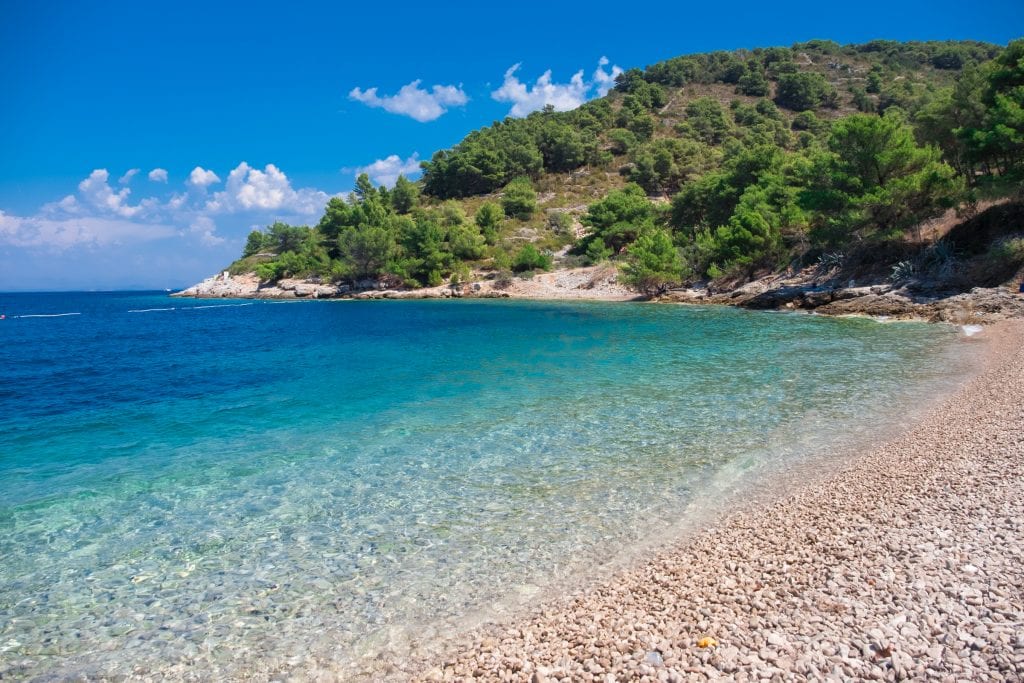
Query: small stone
x=654 y=658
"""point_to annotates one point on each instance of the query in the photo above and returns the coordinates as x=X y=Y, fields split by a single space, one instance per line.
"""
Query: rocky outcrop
x=248 y=286
x=596 y=282
x=980 y=305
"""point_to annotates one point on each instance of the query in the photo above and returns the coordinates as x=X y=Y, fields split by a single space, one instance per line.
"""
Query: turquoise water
x=237 y=489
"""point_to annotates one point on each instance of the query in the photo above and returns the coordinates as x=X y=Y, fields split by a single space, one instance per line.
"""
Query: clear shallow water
x=241 y=487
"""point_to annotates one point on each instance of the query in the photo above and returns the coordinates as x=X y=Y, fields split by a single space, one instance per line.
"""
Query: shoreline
x=900 y=564
x=804 y=292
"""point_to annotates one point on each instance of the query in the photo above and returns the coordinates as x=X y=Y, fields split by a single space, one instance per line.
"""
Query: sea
x=224 y=489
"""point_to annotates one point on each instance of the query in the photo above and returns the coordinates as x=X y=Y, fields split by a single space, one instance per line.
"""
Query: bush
x=530 y=258
x=519 y=200
x=597 y=252
x=802 y=91
x=753 y=83
x=488 y=218
x=653 y=264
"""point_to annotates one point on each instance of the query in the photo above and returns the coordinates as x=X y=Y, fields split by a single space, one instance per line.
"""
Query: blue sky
x=237 y=115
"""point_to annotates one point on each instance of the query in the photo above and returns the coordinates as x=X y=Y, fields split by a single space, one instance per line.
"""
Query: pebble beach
x=904 y=564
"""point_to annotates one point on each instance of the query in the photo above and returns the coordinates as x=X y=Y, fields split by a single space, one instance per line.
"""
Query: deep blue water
x=224 y=484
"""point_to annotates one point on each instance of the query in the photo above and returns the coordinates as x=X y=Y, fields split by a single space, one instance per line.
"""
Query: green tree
x=488 y=219
x=804 y=90
x=365 y=251
x=255 y=243
x=519 y=200
x=664 y=164
x=617 y=219
x=466 y=242
x=284 y=238
x=753 y=82
x=997 y=141
x=530 y=258
x=653 y=263
x=876 y=180
x=364 y=187
x=404 y=196
x=706 y=121
x=747 y=240
x=621 y=141
x=337 y=216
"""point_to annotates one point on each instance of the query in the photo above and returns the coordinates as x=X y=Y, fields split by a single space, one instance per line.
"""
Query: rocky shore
x=802 y=291
x=903 y=565
x=908 y=301
x=598 y=283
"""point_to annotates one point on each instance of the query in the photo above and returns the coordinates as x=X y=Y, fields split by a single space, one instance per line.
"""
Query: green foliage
x=749 y=239
x=518 y=199
x=711 y=199
x=807 y=120
x=642 y=126
x=753 y=82
x=560 y=222
x=491 y=157
x=530 y=258
x=564 y=148
x=365 y=251
x=876 y=181
x=256 y=243
x=617 y=219
x=803 y=90
x=282 y=238
x=995 y=138
x=404 y=195
x=488 y=219
x=622 y=141
x=597 y=251
x=862 y=101
x=664 y=164
x=653 y=263
x=299 y=253
x=706 y=121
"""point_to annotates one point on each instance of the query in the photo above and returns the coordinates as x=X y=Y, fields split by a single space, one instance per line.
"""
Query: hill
x=721 y=166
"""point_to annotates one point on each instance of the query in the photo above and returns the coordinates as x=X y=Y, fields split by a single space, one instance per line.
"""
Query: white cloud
x=200 y=177
x=63 y=233
x=207 y=230
x=158 y=175
x=250 y=189
x=96 y=191
x=386 y=171
x=605 y=80
x=127 y=177
x=413 y=101
x=544 y=92
x=97 y=215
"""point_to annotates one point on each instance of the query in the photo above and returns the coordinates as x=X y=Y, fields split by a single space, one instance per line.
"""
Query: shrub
x=653 y=264
x=519 y=200
x=802 y=91
x=530 y=258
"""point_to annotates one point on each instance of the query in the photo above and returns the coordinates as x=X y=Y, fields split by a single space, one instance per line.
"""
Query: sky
x=141 y=142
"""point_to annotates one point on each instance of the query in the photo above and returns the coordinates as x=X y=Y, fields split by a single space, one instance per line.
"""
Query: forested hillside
x=703 y=166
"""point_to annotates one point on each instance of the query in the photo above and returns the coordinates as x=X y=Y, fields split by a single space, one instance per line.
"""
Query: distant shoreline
x=799 y=292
